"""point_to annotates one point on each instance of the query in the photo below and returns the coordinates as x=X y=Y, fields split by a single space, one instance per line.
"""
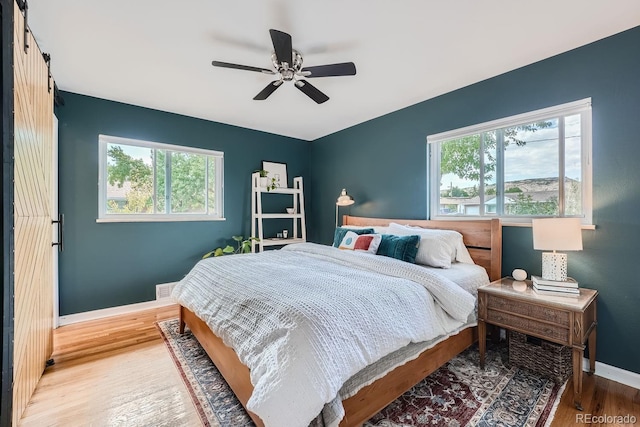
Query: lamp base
x=554 y=266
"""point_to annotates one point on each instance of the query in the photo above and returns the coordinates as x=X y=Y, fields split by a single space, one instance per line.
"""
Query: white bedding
x=308 y=317
x=468 y=276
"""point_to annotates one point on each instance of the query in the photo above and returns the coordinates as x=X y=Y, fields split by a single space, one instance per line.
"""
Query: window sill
x=528 y=224
x=506 y=222
x=183 y=218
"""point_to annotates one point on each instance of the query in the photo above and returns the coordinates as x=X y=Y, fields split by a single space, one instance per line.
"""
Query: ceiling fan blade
x=311 y=91
x=282 y=46
x=241 y=67
x=271 y=87
x=331 y=70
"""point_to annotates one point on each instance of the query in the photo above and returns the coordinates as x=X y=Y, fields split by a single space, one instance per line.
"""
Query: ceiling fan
x=287 y=64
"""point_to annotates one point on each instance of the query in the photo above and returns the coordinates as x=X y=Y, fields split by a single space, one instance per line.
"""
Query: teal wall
x=113 y=264
x=382 y=163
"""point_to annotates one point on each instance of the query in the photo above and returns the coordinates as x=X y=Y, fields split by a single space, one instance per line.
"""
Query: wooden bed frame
x=483 y=238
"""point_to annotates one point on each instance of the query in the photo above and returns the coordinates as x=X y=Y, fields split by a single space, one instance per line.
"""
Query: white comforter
x=306 y=318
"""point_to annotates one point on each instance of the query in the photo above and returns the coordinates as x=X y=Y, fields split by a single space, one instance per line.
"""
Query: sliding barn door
x=33 y=135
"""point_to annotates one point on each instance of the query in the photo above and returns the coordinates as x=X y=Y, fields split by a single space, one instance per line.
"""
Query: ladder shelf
x=298 y=228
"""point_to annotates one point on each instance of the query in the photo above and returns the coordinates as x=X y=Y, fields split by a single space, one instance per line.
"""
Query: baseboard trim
x=113 y=311
x=614 y=374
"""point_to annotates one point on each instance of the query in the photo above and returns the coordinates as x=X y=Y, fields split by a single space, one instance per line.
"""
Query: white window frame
x=582 y=107
x=103 y=216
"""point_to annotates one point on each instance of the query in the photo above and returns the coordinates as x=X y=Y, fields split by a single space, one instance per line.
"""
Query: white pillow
x=381 y=230
x=360 y=242
x=376 y=228
x=438 y=248
x=462 y=253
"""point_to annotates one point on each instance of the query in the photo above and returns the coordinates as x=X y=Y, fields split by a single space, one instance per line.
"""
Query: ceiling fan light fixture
x=286 y=71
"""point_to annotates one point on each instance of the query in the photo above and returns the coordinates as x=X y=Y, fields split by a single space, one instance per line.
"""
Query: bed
x=483 y=240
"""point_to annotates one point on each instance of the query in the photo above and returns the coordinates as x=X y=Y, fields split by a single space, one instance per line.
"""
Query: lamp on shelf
x=343 y=200
x=556 y=234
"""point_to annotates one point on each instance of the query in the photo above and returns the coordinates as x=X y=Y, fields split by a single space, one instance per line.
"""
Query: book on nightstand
x=556 y=289
x=569 y=283
x=561 y=294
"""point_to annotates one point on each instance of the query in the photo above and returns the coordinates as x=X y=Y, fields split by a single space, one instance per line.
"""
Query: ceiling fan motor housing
x=286 y=71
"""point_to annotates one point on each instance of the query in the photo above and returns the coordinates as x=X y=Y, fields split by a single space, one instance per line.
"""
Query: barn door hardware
x=47 y=60
x=60 y=242
x=24 y=7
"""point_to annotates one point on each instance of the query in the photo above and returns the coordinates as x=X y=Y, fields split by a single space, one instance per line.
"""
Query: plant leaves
x=244 y=246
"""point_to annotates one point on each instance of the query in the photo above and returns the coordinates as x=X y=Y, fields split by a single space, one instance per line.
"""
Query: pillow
x=356 y=242
x=438 y=248
x=403 y=248
x=381 y=230
x=338 y=235
x=462 y=253
x=378 y=229
x=356 y=227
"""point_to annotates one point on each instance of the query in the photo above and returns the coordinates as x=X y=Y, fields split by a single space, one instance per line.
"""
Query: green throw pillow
x=338 y=235
x=403 y=248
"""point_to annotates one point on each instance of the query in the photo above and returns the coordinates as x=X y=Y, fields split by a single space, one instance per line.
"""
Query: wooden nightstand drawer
x=528 y=326
x=548 y=314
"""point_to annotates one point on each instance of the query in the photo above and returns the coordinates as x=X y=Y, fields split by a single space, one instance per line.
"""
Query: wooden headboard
x=482 y=237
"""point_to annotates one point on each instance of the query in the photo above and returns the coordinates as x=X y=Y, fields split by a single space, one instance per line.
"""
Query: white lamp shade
x=344 y=199
x=557 y=234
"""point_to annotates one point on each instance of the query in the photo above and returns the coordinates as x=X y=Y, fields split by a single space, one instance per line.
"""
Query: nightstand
x=569 y=321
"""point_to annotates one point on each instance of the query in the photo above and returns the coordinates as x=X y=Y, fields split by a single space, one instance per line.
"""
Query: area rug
x=457 y=394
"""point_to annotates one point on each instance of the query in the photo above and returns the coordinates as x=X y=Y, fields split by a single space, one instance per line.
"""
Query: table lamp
x=343 y=200
x=556 y=234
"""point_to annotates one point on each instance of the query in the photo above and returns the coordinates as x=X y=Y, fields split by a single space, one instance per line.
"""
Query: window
x=149 y=181
x=536 y=164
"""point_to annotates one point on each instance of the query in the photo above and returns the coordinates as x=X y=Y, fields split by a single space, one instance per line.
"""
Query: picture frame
x=278 y=171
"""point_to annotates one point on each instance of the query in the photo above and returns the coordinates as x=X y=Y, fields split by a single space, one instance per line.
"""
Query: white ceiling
x=158 y=53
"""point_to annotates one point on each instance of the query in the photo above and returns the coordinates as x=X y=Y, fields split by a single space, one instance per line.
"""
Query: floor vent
x=164 y=290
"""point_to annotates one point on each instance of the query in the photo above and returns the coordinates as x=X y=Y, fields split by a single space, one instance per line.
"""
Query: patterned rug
x=457 y=394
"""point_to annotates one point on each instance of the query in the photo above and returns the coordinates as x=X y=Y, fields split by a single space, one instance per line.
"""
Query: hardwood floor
x=92 y=338
x=117 y=372
x=112 y=372
x=600 y=397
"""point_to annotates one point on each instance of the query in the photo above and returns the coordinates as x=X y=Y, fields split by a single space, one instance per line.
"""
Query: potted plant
x=243 y=247
x=272 y=184
x=263 y=177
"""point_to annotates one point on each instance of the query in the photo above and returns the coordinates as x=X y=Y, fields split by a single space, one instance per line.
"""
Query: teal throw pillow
x=403 y=248
x=338 y=235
